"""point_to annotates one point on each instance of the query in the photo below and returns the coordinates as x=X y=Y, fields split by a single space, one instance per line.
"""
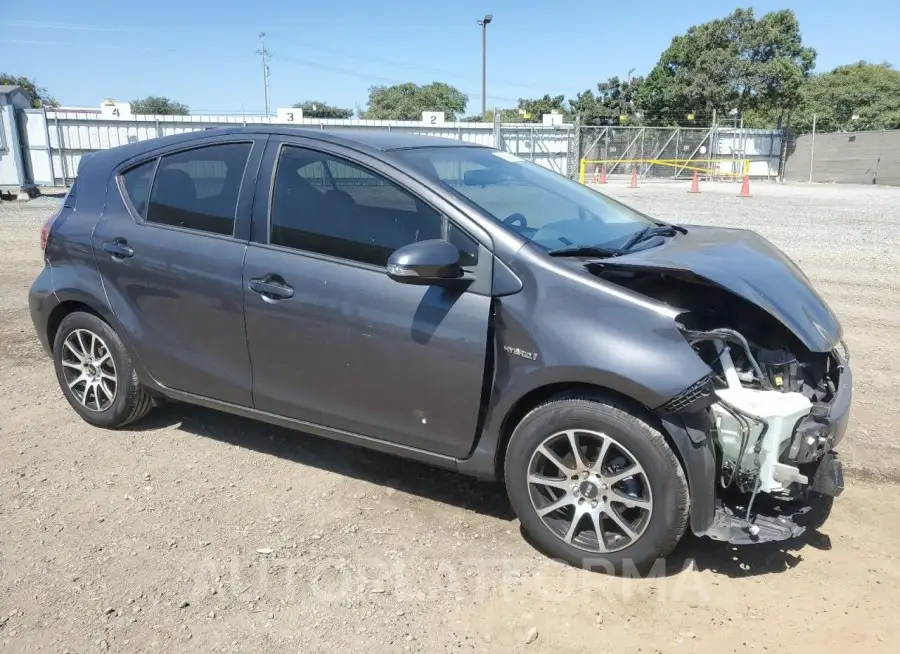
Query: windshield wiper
x=585 y=251
x=651 y=231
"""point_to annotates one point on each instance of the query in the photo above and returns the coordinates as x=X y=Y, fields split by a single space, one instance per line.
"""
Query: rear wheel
x=95 y=372
x=596 y=485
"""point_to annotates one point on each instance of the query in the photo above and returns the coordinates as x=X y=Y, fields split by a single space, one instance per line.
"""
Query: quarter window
x=137 y=186
x=198 y=189
x=327 y=205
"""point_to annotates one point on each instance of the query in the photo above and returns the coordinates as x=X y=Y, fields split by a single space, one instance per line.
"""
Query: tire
x=87 y=385
x=631 y=439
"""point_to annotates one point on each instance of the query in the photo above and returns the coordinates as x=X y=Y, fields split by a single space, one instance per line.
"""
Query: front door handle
x=118 y=248
x=271 y=287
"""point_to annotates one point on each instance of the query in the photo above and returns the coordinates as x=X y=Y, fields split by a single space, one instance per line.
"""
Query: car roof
x=360 y=139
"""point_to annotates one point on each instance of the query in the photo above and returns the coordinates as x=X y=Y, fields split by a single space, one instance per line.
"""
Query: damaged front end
x=765 y=422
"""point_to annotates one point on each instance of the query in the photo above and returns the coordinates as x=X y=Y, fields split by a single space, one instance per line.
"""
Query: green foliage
x=736 y=62
x=156 y=105
x=615 y=98
x=40 y=96
x=316 y=109
x=871 y=92
x=526 y=111
x=408 y=101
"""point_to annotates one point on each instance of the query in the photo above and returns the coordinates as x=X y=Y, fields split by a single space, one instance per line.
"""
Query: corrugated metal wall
x=71 y=135
x=849 y=158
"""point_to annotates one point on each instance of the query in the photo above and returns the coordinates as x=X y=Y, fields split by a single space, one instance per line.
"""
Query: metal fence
x=846 y=157
x=56 y=141
x=673 y=152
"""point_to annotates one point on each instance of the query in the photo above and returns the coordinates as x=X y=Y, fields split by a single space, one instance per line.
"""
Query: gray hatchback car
x=454 y=304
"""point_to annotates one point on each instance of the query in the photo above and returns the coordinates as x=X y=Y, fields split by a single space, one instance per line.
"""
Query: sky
x=204 y=54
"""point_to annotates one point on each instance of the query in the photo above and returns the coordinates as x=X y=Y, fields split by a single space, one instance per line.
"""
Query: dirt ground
x=197 y=531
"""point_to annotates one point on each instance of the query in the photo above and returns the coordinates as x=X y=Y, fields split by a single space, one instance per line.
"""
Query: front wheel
x=95 y=372
x=596 y=485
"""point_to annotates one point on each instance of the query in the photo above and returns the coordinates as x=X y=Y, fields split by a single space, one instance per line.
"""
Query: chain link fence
x=676 y=152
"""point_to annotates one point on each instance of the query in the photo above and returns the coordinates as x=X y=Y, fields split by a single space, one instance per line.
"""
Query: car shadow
x=738 y=561
x=485 y=498
x=734 y=561
x=386 y=470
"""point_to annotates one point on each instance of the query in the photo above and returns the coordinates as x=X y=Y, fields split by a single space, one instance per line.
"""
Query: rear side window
x=198 y=189
x=137 y=186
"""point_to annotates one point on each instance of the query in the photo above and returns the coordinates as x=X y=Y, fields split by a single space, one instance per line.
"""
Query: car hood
x=748 y=265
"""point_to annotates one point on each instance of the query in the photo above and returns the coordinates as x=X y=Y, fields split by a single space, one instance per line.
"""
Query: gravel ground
x=197 y=531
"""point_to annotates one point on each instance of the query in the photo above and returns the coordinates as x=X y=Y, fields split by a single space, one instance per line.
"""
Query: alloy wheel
x=589 y=490
x=89 y=369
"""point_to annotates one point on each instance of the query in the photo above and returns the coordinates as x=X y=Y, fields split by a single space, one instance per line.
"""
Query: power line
x=400 y=64
x=369 y=77
x=283 y=42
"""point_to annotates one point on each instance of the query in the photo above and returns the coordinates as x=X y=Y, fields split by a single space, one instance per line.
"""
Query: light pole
x=484 y=23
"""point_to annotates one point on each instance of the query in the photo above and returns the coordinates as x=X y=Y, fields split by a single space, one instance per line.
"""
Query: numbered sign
x=113 y=109
x=553 y=119
x=288 y=115
x=433 y=117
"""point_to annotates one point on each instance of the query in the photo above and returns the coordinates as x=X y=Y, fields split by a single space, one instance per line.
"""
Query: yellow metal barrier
x=711 y=167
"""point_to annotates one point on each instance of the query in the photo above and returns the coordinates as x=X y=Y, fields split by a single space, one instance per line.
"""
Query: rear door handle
x=271 y=287
x=118 y=248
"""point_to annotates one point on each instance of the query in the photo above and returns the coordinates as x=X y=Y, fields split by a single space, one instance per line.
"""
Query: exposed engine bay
x=769 y=396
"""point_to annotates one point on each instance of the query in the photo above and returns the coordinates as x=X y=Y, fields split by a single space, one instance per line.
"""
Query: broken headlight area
x=774 y=429
x=777 y=408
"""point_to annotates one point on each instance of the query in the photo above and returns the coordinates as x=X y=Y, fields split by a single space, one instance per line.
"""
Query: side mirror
x=424 y=263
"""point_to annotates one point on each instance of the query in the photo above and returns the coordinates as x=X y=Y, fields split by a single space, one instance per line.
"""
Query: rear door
x=333 y=340
x=170 y=248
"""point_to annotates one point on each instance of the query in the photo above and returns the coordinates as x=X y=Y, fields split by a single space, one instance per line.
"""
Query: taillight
x=45 y=230
x=68 y=203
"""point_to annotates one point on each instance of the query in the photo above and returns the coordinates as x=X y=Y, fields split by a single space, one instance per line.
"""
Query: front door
x=333 y=340
x=170 y=250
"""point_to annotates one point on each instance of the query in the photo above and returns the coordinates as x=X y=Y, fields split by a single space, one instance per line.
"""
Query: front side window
x=548 y=209
x=324 y=204
x=198 y=189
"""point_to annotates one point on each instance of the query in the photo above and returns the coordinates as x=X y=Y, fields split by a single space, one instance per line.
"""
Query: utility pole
x=265 y=54
x=484 y=23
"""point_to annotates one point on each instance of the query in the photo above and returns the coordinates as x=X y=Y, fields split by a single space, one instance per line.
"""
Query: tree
x=736 y=62
x=851 y=98
x=39 y=95
x=316 y=109
x=532 y=111
x=408 y=101
x=156 y=105
x=526 y=111
x=615 y=98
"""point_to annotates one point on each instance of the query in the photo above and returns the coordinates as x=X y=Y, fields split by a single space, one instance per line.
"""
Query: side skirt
x=403 y=451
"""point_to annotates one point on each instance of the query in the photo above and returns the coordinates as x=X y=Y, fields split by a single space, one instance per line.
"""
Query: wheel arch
x=68 y=307
x=560 y=390
x=685 y=435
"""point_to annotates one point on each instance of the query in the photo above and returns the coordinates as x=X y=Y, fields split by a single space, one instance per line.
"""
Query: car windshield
x=550 y=210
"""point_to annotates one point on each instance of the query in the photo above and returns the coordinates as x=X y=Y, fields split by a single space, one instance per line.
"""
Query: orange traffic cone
x=745 y=187
x=695 y=183
x=603 y=174
x=596 y=176
x=634 y=182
